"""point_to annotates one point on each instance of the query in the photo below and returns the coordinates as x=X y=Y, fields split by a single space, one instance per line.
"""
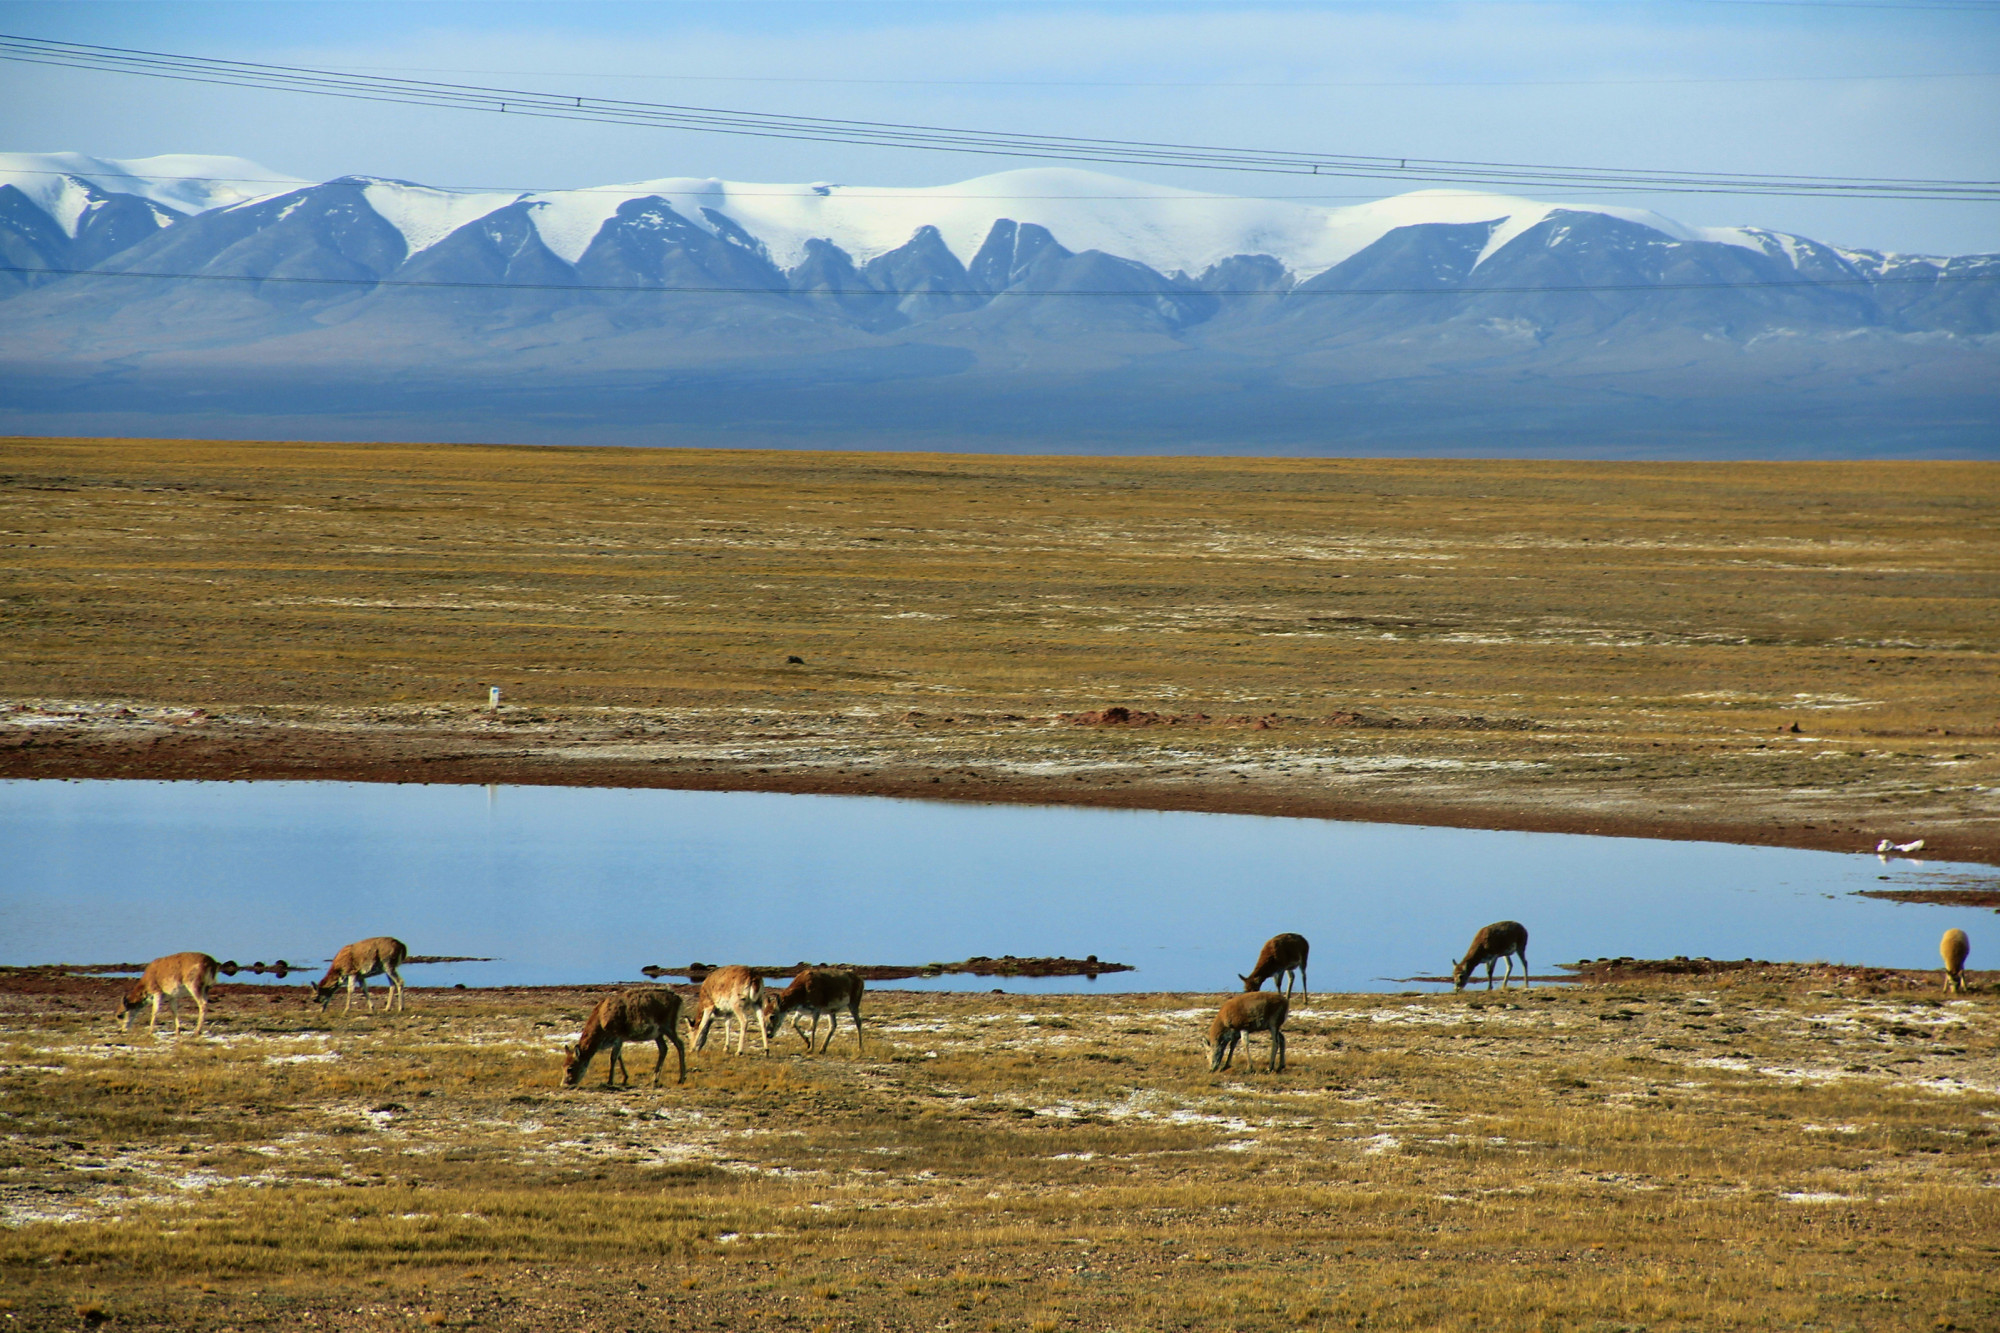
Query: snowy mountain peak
x=65 y=185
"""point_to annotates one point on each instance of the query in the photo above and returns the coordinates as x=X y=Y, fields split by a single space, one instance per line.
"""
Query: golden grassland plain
x=1665 y=1157
x=1796 y=653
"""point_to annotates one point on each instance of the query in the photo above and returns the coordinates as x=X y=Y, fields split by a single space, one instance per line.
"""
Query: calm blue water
x=581 y=885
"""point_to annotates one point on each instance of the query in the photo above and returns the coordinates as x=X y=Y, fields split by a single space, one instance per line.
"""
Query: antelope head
x=134 y=1001
x=572 y=1065
x=771 y=1016
x=1459 y=972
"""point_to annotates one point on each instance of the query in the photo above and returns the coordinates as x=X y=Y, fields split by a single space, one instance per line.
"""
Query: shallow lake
x=588 y=885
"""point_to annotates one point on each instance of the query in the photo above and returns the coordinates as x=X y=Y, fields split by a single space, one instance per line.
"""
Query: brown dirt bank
x=1939 y=897
x=253 y=749
x=1795 y=654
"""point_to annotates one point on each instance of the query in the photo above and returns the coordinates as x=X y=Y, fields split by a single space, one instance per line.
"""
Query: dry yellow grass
x=1666 y=1157
x=1661 y=625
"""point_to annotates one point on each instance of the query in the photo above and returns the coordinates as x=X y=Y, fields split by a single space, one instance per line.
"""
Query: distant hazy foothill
x=1045 y=310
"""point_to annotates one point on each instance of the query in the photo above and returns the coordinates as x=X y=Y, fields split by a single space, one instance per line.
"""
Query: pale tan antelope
x=169 y=978
x=353 y=965
x=1259 y=1011
x=737 y=993
x=644 y=1013
x=816 y=991
x=1954 y=947
x=1502 y=939
x=1281 y=956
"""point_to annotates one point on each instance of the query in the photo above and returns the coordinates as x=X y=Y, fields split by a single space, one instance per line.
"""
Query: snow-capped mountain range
x=1181 y=233
x=210 y=266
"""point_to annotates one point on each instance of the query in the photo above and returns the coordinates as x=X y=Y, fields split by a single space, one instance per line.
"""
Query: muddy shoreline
x=397 y=756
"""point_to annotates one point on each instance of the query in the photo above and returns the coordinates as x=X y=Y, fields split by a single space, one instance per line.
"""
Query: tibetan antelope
x=644 y=1013
x=1502 y=939
x=1260 y=1011
x=1954 y=947
x=1281 y=956
x=169 y=978
x=737 y=993
x=379 y=957
x=816 y=991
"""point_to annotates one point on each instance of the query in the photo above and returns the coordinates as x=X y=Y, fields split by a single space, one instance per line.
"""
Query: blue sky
x=1708 y=85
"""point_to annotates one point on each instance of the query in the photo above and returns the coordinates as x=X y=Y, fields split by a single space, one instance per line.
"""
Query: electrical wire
x=575 y=107
x=846 y=193
x=1275 y=86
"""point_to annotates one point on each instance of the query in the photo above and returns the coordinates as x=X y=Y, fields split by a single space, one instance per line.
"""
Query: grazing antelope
x=1280 y=957
x=736 y=992
x=817 y=991
x=644 y=1013
x=1261 y=1011
x=379 y=957
x=1954 y=947
x=1502 y=939
x=169 y=978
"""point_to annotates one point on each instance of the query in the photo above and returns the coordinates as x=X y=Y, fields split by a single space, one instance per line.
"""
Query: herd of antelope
x=191 y=974
x=738 y=995
x=653 y=1013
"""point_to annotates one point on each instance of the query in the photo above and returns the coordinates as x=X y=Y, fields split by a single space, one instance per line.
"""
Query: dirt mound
x=1117 y=715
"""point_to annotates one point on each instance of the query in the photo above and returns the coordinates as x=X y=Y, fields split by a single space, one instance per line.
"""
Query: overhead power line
x=990 y=143
x=1276 y=85
x=633 y=288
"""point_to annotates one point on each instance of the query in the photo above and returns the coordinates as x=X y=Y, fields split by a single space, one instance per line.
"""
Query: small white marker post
x=493 y=697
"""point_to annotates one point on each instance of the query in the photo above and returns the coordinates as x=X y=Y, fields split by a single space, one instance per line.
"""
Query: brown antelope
x=1280 y=957
x=1261 y=1011
x=817 y=991
x=379 y=957
x=737 y=993
x=1502 y=939
x=169 y=978
x=644 y=1013
x=1954 y=947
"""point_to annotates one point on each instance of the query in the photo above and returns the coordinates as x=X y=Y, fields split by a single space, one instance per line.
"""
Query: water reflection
x=579 y=885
